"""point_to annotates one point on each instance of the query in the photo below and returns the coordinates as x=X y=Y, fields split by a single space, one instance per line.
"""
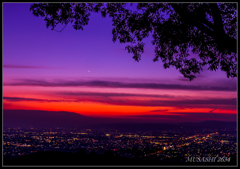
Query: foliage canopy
x=206 y=29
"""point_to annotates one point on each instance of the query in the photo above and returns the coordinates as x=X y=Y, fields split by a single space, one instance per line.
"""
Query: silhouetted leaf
x=206 y=29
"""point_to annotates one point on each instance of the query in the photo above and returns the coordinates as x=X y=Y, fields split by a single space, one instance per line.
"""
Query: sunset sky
x=86 y=73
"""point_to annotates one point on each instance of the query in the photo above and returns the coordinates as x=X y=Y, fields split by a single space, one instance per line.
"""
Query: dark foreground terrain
x=82 y=158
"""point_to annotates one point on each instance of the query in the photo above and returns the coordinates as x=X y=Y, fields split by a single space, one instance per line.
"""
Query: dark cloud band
x=108 y=98
x=23 y=67
x=114 y=84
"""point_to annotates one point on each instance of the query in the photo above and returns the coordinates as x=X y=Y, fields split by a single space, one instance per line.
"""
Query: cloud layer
x=23 y=67
x=128 y=99
x=116 y=84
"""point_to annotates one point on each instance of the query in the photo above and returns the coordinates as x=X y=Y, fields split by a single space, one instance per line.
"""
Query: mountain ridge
x=64 y=119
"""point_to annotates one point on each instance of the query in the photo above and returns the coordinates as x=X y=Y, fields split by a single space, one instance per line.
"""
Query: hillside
x=82 y=158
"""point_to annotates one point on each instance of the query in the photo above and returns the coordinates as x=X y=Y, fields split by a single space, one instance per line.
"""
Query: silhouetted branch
x=207 y=29
x=190 y=19
x=62 y=28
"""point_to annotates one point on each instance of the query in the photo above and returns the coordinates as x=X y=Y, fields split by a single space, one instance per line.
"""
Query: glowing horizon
x=86 y=73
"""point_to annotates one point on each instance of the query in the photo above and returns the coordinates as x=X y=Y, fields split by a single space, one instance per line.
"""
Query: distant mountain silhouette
x=41 y=119
x=82 y=158
x=49 y=119
x=168 y=126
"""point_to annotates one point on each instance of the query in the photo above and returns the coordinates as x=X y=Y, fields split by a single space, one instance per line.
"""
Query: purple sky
x=34 y=54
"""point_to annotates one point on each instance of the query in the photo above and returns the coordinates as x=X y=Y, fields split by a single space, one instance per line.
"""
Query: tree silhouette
x=206 y=29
